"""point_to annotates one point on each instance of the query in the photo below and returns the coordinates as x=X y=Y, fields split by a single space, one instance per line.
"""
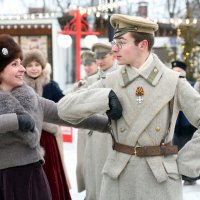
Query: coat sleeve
x=197 y=86
x=8 y=122
x=189 y=102
x=79 y=105
x=94 y=122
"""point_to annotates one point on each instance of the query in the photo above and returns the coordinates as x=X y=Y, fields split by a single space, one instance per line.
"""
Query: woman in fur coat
x=38 y=77
x=22 y=113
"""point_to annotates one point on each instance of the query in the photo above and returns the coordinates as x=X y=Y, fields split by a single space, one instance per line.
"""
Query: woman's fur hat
x=9 y=50
x=34 y=55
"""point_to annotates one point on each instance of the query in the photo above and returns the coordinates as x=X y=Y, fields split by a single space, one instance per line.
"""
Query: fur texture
x=20 y=100
x=34 y=55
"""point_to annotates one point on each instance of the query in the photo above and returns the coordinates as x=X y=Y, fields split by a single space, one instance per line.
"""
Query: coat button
x=122 y=129
x=157 y=128
x=155 y=69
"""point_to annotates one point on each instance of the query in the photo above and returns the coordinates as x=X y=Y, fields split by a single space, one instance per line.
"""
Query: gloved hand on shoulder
x=25 y=121
x=115 y=111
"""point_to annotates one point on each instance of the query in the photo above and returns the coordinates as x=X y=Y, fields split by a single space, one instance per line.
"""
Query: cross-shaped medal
x=139 y=99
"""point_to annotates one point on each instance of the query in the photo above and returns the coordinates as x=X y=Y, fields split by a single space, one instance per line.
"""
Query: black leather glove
x=115 y=111
x=26 y=122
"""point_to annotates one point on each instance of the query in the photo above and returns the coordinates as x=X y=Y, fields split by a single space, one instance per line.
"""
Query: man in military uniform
x=143 y=163
x=97 y=145
x=105 y=60
x=90 y=67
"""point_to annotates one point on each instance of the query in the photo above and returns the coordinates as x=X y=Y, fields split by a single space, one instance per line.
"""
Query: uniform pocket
x=171 y=168
x=157 y=168
x=164 y=168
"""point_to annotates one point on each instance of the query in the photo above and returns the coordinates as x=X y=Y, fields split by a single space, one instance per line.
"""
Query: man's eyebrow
x=121 y=38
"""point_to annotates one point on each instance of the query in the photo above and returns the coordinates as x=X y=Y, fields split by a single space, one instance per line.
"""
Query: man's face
x=105 y=62
x=178 y=69
x=125 y=50
x=90 y=69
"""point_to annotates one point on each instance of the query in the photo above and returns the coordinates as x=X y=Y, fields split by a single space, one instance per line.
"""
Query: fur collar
x=20 y=99
x=26 y=96
x=9 y=104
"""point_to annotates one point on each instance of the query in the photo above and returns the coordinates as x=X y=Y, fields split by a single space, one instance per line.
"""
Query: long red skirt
x=53 y=168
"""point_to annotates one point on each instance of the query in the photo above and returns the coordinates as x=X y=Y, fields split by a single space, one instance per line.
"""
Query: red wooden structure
x=77 y=26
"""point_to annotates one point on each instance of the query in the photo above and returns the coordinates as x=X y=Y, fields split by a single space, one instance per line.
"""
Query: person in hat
x=104 y=58
x=94 y=145
x=183 y=130
x=37 y=76
x=180 y=67
x=22 y=113
x=90 y=67
x=143 y=164
x=89 y=63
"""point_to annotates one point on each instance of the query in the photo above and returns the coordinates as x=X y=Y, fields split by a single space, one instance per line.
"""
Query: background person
x=90 y=67
x=37 y=76
x=105 y=60
x=93 y=149
x=89 y=63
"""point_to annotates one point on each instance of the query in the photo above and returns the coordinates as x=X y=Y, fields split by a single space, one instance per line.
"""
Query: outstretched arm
x=79 y=105
x=94 y=122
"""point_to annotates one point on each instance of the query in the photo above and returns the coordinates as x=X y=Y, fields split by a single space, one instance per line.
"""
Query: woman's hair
x=9 y=50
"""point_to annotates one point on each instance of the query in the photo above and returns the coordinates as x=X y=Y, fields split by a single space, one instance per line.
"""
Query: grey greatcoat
x=19 y=148
x=127 y=177
x=95 y=147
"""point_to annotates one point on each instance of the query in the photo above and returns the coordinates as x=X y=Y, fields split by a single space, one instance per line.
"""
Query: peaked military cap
x=87 y=57
x=180 y=64
x=125 y=23
x=101 y=49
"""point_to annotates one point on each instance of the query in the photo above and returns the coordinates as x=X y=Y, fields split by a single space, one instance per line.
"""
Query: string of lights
x=101 y=10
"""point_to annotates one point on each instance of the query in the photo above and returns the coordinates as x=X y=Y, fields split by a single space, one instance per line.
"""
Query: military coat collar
x=151 y=74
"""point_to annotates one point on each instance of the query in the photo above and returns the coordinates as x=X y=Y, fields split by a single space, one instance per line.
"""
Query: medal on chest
x=139 y=93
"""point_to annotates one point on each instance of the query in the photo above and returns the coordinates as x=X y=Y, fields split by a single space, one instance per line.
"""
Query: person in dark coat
x=38 y=77
x=183 y=129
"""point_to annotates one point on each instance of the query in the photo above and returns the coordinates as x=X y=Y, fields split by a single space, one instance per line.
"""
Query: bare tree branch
x=171 y=11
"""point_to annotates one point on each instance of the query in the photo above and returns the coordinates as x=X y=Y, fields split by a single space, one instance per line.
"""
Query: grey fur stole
x=21 y=100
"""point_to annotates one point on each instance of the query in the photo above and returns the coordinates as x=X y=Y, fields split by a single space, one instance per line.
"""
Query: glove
x=115 y=111
x=26 y=122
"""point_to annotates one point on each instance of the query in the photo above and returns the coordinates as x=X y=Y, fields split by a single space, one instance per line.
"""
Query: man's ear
x=143 y=44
